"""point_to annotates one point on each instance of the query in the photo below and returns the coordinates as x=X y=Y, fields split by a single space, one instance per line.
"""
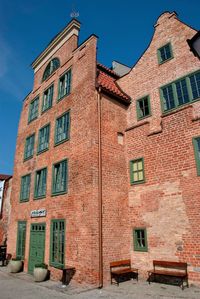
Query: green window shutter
x=57 y=243
x=29 y=147
x=137 y=171
x=59 y=185
x=196 y=144
x=33 y=109
x=25 y=188
x=47 y=98
x=195 y=85
x=164 y=53
x=62 y=128
x=140 y=239
x=40 y=183
x=143 y=107
x=43 y=138
x=180 y=92
x=21 y=239
x=64 y=85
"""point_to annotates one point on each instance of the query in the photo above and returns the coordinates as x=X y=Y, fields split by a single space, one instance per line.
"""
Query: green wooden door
x=37 y=245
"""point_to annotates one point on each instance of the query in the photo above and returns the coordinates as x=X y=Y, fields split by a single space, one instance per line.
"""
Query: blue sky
x=124 y=29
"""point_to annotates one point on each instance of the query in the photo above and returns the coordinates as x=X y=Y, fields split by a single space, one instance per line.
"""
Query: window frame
x=25 y=149
x=46 y=149
x=138 y=109
x=37 y=98
x=36 y=196
x=160 y=61
x=51 y=262
x=28 y=195
x=68 y=132
x=46 y=90
x=60 y=97
x=135 y=243
x=56 y=193
x=51 y=70
x=22 y=255
x=197 y=159
x=131 y=171
x=173 y=83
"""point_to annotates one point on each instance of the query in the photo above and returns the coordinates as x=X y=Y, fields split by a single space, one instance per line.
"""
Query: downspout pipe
x=100 y=189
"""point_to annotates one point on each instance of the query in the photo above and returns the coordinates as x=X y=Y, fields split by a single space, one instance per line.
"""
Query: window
x=40 y=183
x=57 y=247
x=143 y=107
x=21 y=239
x=33 y=110
x=29 y=147
x=140 y=239
x=137 y=171
x=25 y=188
x=62 y=128
x=53 y=65
x=59 y=178
x=180 y=92
x=47 y=98
x=64 y=85
x=196 y=144
x=165 y=53
x=43 y=138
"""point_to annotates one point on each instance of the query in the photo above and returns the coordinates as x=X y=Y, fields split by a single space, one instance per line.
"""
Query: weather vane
x=74 y=13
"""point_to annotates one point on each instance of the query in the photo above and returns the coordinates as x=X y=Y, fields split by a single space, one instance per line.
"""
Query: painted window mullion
x=175 y=94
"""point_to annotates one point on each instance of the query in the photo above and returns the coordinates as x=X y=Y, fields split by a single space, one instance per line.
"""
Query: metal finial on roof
x=74 y=13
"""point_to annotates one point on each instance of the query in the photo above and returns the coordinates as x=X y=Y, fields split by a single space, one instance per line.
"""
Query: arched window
x=51 y=67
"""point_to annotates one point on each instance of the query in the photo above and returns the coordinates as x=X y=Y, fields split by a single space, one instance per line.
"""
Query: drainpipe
x=100 y=190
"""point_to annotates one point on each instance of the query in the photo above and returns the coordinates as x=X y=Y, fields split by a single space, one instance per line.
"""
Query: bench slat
x=126 y=270
x=120 y=263
x=168 y=273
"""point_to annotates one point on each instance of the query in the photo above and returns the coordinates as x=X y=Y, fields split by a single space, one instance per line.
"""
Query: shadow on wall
x=68 y=275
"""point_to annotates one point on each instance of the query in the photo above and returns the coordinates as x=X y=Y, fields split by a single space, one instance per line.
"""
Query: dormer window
x=51 y=67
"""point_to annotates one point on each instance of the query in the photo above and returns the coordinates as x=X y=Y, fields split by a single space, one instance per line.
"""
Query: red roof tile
x=4 y=177
x=107 y=82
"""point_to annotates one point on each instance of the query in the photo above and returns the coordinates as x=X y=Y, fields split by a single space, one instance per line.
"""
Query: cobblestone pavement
x=22 y=286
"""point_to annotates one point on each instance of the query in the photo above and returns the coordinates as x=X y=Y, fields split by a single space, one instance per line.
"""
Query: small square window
x=165 y=53
x=137 y=171
x=62 y=128
x=29 y=147
x=140 y=239
x=143 y=107
x=64 y=86
x=60 y=178
x=47 y=99
x=43 y=138
x=40 y=183
x=25 y=188
x=33 y=110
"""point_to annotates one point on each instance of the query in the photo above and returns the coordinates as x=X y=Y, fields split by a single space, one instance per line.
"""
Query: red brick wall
x=116 y=227
x=79 y=205
x=167 y=204
x=5 y=214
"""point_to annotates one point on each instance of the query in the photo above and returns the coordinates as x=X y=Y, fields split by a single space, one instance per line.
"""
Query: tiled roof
x=105 y=68
x=106 y=79
x=4 y=177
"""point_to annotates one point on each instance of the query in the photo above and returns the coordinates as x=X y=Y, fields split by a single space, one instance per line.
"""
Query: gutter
x=100 y=189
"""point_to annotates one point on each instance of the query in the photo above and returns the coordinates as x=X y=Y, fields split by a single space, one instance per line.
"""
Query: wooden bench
x=169 y=269
x=122 y=269
x=3 y=250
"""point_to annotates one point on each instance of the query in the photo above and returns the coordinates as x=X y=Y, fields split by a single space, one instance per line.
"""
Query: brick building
x=107 y=166
x=5 y=205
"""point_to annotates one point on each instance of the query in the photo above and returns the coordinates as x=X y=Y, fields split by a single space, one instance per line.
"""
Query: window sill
x=61 y=98
x=136 y=183
x=161 y=62
x=24 y=200
x=26 y=159
x=60 y=142
x=144 y=117
x=141 y=250
x=39 y=197
x=58 y=193
x=30 y=121
x=43 y=111
x=42 y=151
